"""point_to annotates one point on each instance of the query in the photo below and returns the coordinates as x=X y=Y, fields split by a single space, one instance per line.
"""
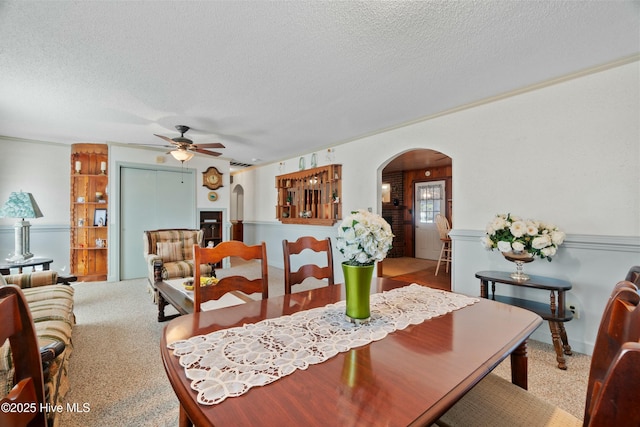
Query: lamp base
x=19 y=258
x=22 y=242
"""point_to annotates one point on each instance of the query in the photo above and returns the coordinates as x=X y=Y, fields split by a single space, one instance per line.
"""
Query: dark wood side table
x=555 y=312
x=32 y=262
x=66 y=279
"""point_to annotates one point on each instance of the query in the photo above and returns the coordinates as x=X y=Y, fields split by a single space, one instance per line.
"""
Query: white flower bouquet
x=510 y=233
x=363 y=238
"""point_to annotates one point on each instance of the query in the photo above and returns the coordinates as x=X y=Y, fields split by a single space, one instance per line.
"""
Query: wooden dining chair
x=309 y=270
x=633 y=275
x=445 y=253
x=611 y=391
x=243 y=284
x=16 y=325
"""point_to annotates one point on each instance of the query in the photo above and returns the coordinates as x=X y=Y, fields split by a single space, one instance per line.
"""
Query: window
x=430 y=197
x=386 y=192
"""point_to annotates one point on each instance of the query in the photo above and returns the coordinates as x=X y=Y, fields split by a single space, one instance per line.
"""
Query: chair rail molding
x=577 y=241
x=47 y=240
x=49 y=228
x=272 y=232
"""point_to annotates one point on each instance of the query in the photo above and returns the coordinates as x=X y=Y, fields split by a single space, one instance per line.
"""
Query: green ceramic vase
x=357 y=281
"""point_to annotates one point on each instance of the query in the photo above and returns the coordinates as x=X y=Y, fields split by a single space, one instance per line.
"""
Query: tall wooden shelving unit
x=89 y=201
x=311 y=196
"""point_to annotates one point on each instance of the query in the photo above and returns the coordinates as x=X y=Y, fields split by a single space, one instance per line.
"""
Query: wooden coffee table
x=183 y=303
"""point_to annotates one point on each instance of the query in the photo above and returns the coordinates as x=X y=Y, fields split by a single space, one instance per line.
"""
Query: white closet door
x=151 y=199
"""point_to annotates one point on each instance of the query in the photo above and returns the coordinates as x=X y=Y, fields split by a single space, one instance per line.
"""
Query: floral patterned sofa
x=171 y=251
x=51 y=307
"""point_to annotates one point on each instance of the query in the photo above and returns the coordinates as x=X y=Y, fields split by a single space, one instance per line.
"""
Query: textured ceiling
x=272 y=80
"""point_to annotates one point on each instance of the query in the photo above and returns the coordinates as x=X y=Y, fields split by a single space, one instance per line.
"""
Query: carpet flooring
x=116 y=367
x=117 y=371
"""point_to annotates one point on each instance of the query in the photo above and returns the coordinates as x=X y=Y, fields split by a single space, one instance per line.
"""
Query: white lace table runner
x=228 y=362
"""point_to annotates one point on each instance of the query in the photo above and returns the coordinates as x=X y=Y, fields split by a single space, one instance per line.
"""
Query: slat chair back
x=443 y=227
x=16 y=325
x=292 y=278
x=442 y=223
x=215 y=255
x=620 y=324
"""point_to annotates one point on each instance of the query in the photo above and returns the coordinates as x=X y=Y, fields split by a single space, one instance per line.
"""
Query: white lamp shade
x=182 y=155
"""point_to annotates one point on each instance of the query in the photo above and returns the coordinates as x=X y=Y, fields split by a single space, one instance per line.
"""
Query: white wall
x=566 y=153
x=42 y=168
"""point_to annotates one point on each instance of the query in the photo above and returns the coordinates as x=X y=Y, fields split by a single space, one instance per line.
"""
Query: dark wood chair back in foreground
x=609 y=397
x=633 y=275
x=309 y=270
x=215 y=255
x=16 y=324
x=611 y=391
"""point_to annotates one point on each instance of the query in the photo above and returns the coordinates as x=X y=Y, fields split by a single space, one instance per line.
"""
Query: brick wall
x=394 y=212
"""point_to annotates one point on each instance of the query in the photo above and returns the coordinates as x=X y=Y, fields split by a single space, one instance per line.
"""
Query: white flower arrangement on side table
x=512 y=234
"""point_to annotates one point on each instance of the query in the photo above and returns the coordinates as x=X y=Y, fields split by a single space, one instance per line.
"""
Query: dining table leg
x=519 y=366
x=183 y=420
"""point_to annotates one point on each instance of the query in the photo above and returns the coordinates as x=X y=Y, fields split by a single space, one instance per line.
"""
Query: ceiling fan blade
x=212 y=145
x=210 y=153
x=133 y=144
x=166 y=138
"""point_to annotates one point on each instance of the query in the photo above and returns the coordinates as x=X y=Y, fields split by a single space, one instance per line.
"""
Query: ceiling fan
x=184 y=147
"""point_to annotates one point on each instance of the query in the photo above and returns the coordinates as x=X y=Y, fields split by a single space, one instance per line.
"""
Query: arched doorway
x=401 y=175
x=237 y=213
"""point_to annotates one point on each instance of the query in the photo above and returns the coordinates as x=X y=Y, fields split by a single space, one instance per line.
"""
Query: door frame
x=448 y=184
x=443 y=211
x=113 y=267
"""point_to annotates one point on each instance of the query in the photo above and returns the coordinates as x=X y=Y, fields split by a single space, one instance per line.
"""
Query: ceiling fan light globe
x=182 y=155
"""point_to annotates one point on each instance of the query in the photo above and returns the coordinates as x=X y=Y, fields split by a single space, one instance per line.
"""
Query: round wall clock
x=211 y=178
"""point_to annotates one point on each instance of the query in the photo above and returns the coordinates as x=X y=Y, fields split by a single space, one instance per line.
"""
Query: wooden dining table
x=409 y=378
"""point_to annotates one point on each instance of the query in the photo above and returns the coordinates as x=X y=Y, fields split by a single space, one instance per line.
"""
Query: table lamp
x=21 y=205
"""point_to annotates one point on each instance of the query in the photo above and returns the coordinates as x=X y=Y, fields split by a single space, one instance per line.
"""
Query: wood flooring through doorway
x=416 y=270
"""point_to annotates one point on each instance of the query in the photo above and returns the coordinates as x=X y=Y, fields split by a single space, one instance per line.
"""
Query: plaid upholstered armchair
x=173 y=249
